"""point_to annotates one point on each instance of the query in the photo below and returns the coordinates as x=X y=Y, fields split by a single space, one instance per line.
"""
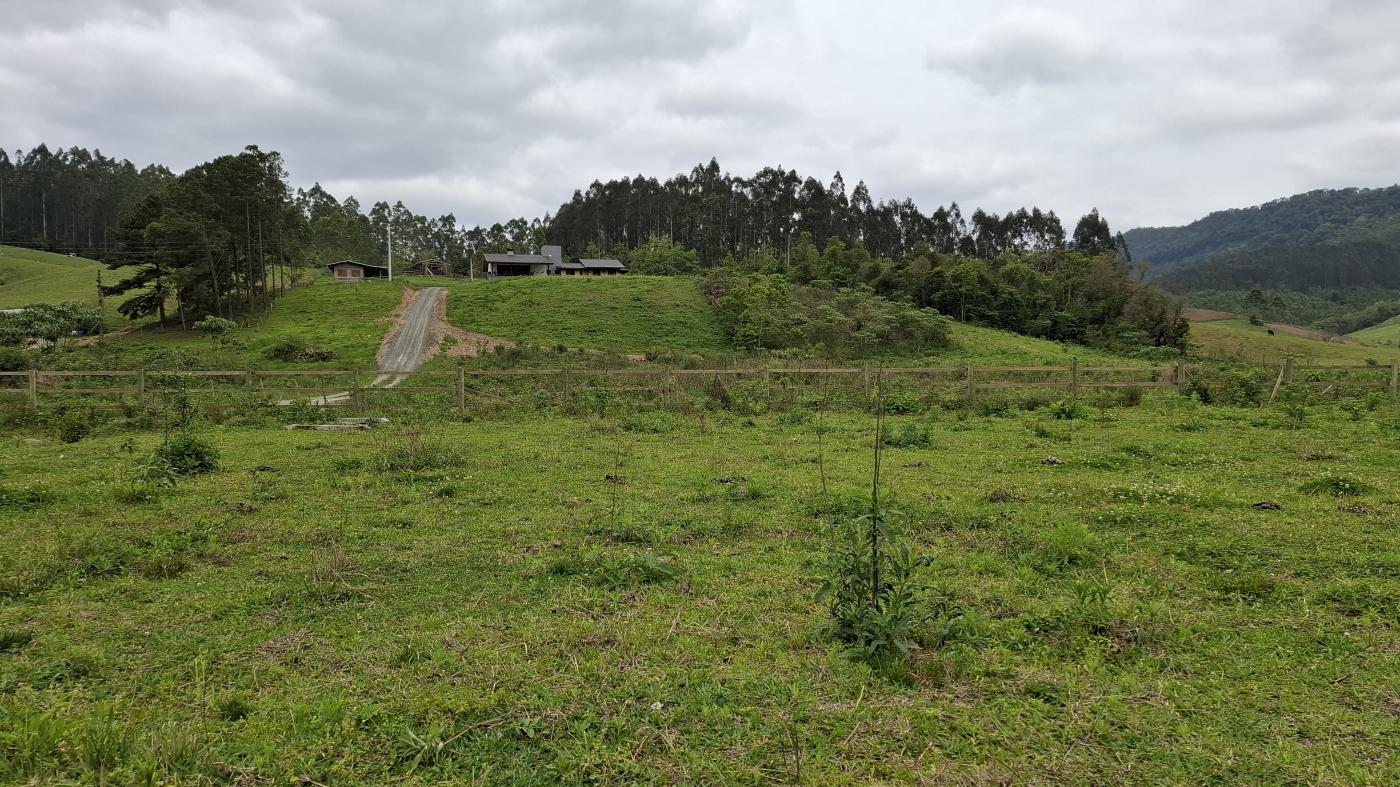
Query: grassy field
x=627 y=314
x=1386 y=334
x=476 y=603
x=28 y=276
x=349 y=320
x=1237 y=339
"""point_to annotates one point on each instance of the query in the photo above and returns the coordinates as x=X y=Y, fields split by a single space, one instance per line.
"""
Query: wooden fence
x=460 y=385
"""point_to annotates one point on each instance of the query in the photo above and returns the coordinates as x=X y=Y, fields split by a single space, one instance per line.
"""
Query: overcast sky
x=1155 y=112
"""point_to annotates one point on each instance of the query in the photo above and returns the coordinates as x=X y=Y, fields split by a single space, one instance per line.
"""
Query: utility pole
x=391 y=244
x=102 y=323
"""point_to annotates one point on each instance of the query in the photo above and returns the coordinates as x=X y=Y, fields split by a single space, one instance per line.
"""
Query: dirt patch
x=466 y=345
x=1205 y=315
x=395 y=320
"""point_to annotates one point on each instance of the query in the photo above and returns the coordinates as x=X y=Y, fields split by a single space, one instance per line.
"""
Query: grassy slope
x=634 y=314
x=310 y=637
x=629 y=314
x=1238 y=339
x=28 y=276
x=349 y=319
x=1386 y=333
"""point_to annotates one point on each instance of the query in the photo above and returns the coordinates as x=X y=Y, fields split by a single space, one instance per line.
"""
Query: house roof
x=571 y=265
x=607 y=264
x=519 y=259
x=365 y=265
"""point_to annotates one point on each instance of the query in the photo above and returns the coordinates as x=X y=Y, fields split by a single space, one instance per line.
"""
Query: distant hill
x=1364 y=217
x=29 y=276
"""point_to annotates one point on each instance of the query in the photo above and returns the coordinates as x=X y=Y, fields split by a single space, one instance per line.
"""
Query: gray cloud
x=1153 y=112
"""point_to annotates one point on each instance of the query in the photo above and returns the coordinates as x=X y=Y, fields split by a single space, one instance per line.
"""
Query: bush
x=903 y=403
x=188 y=455
x=907 y=436
x=13 y=359
x=1239 y=387
x=294 y=350
x=73 y=426
x=1068 y=410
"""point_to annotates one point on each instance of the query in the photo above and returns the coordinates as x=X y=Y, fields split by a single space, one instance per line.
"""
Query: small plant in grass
x=909 y=435
x=1295 y=415
x=186 y=454
x=73 y=426
x=1068 y=410
x=869 y=585
x=216 y=328
x=1336 y=486
x=234 y=707
x=14 y=639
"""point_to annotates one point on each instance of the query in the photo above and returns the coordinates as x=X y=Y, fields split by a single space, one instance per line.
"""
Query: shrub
x=1068 y=410
x=907 y=436
x=13 y=359
x=871 y=590
x=903 y=403
x=188 y=455
x=294 y=350
x=1068 y=545
x=73 y=426
x=1229 y=386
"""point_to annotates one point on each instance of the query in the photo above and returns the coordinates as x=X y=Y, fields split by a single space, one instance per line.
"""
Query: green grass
x=350 y=320
x=28 y=276
x=1386 y=334
x=478 y=604
x=1252 y=343
x=626 y=314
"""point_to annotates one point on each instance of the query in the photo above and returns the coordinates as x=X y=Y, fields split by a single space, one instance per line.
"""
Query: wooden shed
x=351 y=271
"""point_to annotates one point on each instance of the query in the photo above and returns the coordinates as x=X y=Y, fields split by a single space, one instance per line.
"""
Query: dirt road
x=413 y=337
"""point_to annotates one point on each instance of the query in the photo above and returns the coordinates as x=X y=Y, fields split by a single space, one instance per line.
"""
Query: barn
x=351 y=271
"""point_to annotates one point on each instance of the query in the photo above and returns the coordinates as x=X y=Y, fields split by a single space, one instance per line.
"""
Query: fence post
x=248 y=380
x=1180 y=373
x=1288 y=370
x=971 y=383
x=867 y=381
x=34 y=387
x=141 y=385
x=355 y=404
x=1074 y=377
x=1394 y=376
x=461 y=388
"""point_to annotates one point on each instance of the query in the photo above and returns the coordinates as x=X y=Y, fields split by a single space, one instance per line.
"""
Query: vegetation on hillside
x=1303 y=220
x=1339 y=311
x=1303 y=268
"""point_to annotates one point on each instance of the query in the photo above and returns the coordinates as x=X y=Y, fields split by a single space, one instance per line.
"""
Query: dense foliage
x=69 y=200
x=1060 y=295
x=764 y=311
x=1340 y=310
x=720 y=215
x=1316 y=217
x=1304 y=268
x=49 y=321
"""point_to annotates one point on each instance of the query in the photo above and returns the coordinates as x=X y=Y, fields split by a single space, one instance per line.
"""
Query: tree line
x=719 y=215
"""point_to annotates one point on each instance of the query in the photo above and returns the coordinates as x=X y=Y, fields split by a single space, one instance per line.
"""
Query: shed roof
x=609 y=264
x=365 y=265
x=521 y=259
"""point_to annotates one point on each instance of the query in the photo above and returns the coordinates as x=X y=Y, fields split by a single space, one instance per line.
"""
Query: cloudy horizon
x=1154 y=115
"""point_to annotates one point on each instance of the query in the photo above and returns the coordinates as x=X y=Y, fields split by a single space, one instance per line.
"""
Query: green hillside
x=1317 y=217
x=28 y=276
x=348 y=320
x=1237 y=339
x=1386 y=334
x=628 y=314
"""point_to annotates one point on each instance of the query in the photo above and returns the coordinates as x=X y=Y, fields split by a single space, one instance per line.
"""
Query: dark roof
x=522 y=259
x=611 y=264
x=571 y=266
x=361 y=264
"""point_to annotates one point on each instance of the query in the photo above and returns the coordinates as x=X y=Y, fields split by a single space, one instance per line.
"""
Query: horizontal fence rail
x=350 y=386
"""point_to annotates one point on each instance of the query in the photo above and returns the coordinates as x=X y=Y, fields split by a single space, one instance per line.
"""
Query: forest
x=1304 y=220
x=224 y=237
